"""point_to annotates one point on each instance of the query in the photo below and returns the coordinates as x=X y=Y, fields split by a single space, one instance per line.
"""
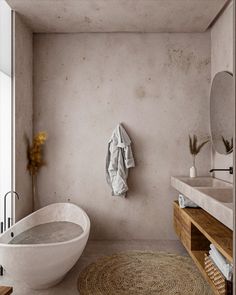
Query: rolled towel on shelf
x=185 y=202
x=219 y=256
x=220 y=261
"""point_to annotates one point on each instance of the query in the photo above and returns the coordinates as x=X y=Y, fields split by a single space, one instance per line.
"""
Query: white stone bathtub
x=41 y=266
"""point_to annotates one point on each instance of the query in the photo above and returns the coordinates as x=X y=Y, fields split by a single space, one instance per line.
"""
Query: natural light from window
x=5 y=108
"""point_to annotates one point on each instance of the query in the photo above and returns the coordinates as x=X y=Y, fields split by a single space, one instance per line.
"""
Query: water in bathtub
x=53 y=232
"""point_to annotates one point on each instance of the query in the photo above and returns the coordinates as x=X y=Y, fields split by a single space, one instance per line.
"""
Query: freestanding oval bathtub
x=43 y=265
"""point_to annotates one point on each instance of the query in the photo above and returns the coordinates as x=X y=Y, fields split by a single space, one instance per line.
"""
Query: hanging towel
x=119 y=159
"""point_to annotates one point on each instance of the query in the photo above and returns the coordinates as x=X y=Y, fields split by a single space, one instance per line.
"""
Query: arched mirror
x=222 y=112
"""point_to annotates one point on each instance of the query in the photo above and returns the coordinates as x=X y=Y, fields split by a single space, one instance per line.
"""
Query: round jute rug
x=142 y=273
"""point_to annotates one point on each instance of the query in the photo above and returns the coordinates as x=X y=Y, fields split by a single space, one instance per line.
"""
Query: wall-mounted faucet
x=5 y=209
x=230 y=170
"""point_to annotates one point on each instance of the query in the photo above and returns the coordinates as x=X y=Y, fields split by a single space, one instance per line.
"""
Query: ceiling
x=66 y=16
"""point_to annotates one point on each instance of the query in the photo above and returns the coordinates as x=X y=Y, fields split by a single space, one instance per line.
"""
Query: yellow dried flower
x=34 y=153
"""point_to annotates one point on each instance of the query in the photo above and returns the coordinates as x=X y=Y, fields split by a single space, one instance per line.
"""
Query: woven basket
x=223 y=286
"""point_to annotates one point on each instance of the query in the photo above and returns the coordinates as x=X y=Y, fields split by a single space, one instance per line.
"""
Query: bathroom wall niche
x=222 y=112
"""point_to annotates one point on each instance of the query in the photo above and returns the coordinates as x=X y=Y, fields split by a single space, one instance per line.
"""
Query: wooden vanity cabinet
x=196 y=230
x=5 y=290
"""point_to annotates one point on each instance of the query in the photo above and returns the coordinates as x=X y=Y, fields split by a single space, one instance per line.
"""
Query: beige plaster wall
x=157 y=85
x=222 y=60
x=23 y=113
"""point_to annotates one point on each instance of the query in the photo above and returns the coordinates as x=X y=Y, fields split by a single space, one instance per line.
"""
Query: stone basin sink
x=205 y=182
x=224 y=195
x=213 y=195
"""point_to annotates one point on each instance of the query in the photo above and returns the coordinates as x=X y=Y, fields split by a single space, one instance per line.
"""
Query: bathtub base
x=46 y=286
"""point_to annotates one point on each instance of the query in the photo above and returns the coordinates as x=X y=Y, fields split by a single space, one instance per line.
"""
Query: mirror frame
x=212 y=141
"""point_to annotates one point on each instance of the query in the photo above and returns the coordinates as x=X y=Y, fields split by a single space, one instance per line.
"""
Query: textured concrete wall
x=157 y=85
x=23 y=113
x=222 y=60
x=153 y=16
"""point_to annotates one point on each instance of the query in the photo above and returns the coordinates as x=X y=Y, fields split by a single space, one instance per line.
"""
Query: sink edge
x=206 y=202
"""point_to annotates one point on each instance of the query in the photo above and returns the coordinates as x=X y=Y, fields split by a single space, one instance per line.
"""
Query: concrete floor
x=94 y=250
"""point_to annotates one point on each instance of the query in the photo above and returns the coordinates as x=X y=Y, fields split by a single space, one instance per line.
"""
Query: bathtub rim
x=80 y=237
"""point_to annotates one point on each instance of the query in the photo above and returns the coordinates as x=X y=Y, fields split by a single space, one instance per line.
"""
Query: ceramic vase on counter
x=193 y=172
x=193 y=169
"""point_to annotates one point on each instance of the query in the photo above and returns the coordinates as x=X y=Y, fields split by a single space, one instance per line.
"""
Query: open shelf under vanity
x=197 y=230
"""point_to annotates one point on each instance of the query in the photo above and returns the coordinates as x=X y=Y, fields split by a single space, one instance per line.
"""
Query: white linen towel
x=118 y=161
x=220 y=261
x=185 y=202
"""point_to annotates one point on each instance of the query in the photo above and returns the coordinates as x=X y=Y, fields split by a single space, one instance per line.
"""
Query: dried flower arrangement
x=228 y=145
x=194 y=147
x=34 y=153
x=35 y=159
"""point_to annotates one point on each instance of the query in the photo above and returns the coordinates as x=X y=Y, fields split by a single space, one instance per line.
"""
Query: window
x=5 y=108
